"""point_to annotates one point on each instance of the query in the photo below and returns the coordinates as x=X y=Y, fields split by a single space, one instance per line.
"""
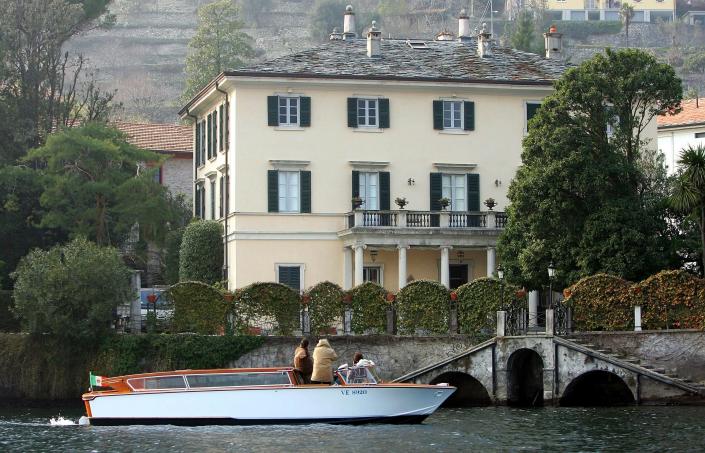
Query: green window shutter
x=215 y=133
x=384 y=195
x=221 y=211
x=531 y=110
x=221 y=129
x=197 y=201
x=473 y=192
x=197 y=152
x=438 y=115
x=305 y=106
x=210 y=134
x=273 y=110
x=436 y=192
x=227 y=126
x=272 y=191
x=352 y=112
x=469 y=116
x=305 y=177
x=290 y=276
x=203 y=142
x=384 y=113
x=355 y=185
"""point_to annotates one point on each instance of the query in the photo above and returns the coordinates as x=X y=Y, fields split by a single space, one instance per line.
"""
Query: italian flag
x=96 y=381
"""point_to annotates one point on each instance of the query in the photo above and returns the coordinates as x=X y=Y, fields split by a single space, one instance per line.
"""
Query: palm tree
x=689 y=190
x=626 y=12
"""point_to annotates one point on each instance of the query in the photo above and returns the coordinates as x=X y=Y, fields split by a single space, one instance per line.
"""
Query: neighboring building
x=694 y=17
x=372 y=119
x=172 y=140
x=580 y=10
x=679 y=131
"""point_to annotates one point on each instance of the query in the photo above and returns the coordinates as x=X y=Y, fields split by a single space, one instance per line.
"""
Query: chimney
x=464 y=33
x=336 y=35
x=349 y=23
x=484 y=42
x=554 y=43
x=374 y=42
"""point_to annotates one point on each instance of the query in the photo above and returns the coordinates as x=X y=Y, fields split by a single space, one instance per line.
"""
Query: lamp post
x=551 y=276
x=500 y=276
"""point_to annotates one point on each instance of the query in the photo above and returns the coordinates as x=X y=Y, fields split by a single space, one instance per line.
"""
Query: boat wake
x=61 y=421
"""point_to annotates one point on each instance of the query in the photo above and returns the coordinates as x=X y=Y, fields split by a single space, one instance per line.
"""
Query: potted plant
x=444 y=202
x=357 y=202
x=401 y=202
x=490 y=203
x=228 y=296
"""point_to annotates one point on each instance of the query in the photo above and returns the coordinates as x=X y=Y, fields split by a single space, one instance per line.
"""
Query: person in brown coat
x=323 y=357
x=303 y=363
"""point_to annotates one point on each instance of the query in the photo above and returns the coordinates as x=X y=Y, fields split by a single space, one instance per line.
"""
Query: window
x=452 y=115
x=289 y=276
x=289 y=191
x=222 y=196
x=372 y=274
x=200 y=201
x=288 y=111
x=212 y=213
x=157 y=383
x=531 y=109
x=158 y=175
x=369 y=185
x=367 y=112
x=221 y=127
x=203 y=142
x=454 y=189
x=210 y=134
x=237 y=379
x=700 y=135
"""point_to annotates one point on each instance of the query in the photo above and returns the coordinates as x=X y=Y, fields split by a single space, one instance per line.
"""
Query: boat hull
x=286 y=405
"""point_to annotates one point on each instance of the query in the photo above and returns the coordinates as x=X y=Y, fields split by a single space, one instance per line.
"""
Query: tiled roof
x=450 y=61
x=158 y=137
x=691 y=114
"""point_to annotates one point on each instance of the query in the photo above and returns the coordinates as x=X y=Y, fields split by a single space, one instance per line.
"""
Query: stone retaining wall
x=393 y=355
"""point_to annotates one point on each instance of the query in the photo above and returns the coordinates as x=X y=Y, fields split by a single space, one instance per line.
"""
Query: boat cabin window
x=157 y=383
x=238 y=379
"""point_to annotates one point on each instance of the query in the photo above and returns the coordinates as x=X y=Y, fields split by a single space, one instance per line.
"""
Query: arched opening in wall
x=525 y=379
x=470 y=392
x=597 y=388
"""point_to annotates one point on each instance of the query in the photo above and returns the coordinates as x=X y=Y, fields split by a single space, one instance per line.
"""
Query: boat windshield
x=360 y=375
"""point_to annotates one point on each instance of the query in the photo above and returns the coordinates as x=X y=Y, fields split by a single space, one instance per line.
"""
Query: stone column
x=501 y=323
x=359 y=257
x=445 y=266
x=637 y=318
x=533 y=308
x=491 y=261
x=549 y=322
x=402 y=265
x=347 y=268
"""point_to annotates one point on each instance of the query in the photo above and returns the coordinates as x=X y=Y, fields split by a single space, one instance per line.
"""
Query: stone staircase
x=649 y=370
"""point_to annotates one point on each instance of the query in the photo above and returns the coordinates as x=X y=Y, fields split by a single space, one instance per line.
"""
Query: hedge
x=325 y=307
x=671 y=299
x=601 y=302
x=478 y=302
x=272 y=303
x=198 y=308
x=369 y=304
x=423 y=305
x=201 y=252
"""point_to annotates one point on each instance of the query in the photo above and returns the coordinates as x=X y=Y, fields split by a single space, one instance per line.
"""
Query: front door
x=458 y=275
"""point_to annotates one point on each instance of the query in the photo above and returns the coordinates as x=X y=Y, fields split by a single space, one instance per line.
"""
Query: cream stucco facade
x=322 y=242
x=580 y=10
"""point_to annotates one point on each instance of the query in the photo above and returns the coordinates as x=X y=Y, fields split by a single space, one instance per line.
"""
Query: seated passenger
x=323 y=357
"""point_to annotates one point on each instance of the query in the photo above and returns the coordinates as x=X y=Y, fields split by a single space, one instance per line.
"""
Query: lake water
x=492 y=429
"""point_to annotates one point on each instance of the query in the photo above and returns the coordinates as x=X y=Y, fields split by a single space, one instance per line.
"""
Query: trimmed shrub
x=671 y=299
x=268 y=304
x=369 y=308
x=172 y=248
x=601 y=302
x=198 y=308
x=324 y=306
x=479 y=301
x=201 y=253
x=423 y=305
x=72 y=290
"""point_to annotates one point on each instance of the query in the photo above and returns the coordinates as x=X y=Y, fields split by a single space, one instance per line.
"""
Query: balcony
x=426 y=220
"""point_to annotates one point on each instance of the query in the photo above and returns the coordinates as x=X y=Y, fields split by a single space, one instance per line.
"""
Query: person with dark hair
x=303 y=363
x=357 y=357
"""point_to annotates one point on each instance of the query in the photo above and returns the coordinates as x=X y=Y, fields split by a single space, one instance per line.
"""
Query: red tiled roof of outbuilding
x=170 y=138
x=693 y=113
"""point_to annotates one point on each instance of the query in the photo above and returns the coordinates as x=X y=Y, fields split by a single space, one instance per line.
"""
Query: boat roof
x=202 y=371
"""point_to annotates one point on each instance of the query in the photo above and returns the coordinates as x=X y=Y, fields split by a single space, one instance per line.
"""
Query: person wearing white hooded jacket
x=323 y=357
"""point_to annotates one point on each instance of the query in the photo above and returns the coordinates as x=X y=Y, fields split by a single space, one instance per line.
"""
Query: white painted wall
x=672 y=141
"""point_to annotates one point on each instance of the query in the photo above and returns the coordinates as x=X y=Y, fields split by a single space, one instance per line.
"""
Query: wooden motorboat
x=249 y=396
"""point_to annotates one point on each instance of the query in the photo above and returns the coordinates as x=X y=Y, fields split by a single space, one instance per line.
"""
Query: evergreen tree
x=523 y=36
x=219 y=45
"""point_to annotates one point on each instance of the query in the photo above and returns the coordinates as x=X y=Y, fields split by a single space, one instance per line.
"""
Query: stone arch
x=470 y=393
x=597 y=388
x=525 y=378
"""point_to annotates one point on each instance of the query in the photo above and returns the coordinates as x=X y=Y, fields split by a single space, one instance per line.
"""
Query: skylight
x=417 y=44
